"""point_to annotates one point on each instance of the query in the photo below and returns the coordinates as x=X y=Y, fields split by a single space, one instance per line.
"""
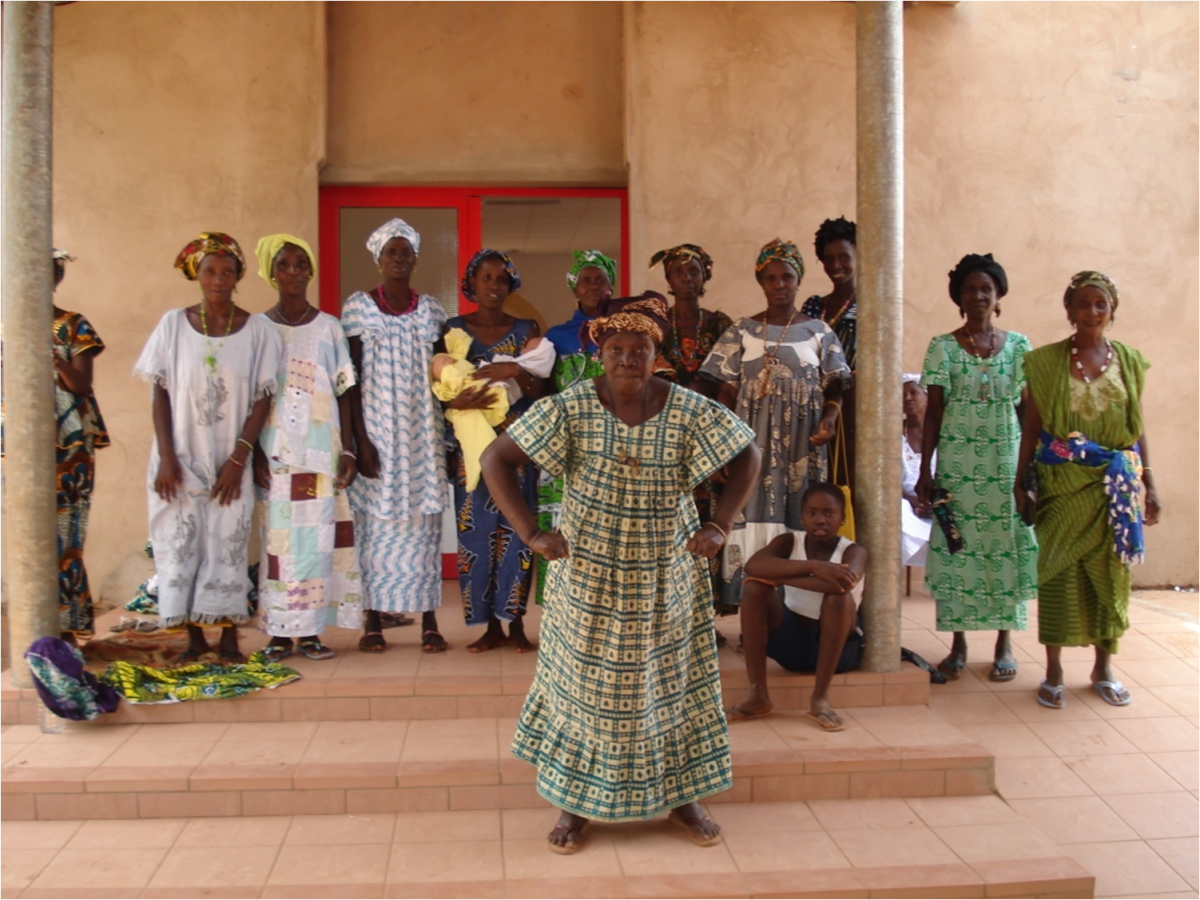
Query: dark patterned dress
x=624 y=717
x=494 y=567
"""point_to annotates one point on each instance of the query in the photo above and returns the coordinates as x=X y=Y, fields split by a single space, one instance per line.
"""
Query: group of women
x=644 y=481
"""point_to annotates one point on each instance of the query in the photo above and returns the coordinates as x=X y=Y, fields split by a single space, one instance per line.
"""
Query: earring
x=997 y=310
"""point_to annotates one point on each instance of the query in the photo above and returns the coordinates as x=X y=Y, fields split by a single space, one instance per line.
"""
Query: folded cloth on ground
x=65 y=687
x=200 y=681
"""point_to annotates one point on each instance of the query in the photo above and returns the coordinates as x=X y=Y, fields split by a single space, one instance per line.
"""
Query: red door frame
x=469 y=203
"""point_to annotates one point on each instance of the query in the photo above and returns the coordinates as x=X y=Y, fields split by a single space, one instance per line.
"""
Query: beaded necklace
x=985 y=386
x=412 y=296
x=689 y=348
x=837 y=317
x=211 y=359
x=1079 y=363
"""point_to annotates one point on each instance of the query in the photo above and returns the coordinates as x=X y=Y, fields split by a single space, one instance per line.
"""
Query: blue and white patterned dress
x=398 y=516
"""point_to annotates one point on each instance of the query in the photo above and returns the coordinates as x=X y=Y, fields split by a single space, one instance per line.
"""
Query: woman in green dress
x=1085 y=436
x=624 y=717
x=976 y=381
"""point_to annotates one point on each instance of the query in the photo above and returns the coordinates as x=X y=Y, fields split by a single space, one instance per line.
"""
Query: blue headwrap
x=514 y=278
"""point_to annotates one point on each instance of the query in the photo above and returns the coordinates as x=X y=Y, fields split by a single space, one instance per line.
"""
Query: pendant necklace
x=689 y=348
x=764 y=376
x=837 y=317
x=985 y=387
x=211 y=359
x=286 y=321
x=1079 y=362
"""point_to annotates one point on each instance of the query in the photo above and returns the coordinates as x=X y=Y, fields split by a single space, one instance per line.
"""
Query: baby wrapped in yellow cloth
x=474 y=428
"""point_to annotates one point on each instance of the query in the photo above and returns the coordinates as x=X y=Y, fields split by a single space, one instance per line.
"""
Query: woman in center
x=624 y=718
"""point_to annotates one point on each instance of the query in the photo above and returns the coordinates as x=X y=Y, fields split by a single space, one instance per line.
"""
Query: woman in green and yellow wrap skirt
x=1085 y=436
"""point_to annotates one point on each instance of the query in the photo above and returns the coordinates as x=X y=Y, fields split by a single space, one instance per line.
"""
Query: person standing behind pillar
x=401 y=489
x=1085 y=436
x=213 y=366
x=81 y=433
x=976 y=381
x=837 y=248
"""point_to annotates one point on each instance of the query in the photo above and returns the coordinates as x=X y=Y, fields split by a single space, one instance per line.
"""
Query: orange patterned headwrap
x=189 y=258
x=646 y=314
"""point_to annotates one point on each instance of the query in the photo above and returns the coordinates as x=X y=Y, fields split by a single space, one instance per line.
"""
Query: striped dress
x=624 y=718
x=398 y=516
x=1083 y=587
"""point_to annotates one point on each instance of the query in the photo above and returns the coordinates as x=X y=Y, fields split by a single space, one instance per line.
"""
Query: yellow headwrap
x=268 y=248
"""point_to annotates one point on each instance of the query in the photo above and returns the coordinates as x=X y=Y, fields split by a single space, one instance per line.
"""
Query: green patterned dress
x=1083 y=587
x=624 y=717
x=984 y=586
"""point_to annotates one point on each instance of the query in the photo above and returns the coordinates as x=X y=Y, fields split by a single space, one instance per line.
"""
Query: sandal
x=691 y=829
x=1051 y=696
x=274 y=653
x=571 y=845
x=1112 y=692
x=433 y=642
x=314 y=649
x=952 y=668
x=1003 y=672
x=372 y=642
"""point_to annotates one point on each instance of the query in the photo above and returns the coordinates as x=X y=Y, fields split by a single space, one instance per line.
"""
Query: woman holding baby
x=495 y=567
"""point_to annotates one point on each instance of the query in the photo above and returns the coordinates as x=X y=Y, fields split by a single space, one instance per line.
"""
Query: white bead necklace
x=1079 y=362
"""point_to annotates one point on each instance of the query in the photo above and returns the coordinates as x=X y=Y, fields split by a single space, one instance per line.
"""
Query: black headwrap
x=973 y=262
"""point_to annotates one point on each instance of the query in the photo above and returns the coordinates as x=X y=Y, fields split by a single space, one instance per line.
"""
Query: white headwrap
x=908 y=378
x=393 y=228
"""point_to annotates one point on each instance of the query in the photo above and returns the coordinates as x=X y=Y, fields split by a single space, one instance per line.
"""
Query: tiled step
x=934 y=847
x=405 y=684
x=295 y=768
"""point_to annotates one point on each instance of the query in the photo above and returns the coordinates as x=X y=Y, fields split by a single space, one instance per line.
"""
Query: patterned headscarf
x=189 y=258
x=973 y=262
x=783 y=250
x=683 y=253
x=268 y=248
x=393 y=228
x=646 y=314
x=514 y=277
x=1090 y=278
x=586 y=258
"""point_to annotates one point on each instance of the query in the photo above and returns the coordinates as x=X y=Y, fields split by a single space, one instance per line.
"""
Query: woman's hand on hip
x=706 y=542
x=550 y=545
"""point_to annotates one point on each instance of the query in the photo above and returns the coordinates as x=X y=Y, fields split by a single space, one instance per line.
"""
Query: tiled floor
x=1115 y=788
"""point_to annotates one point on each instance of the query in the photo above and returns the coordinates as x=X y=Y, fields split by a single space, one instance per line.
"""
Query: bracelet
x=245 y=443
x=1147 y=469
x=533 y=540
x=724 y=533
x=350 y=453
x=240 y=465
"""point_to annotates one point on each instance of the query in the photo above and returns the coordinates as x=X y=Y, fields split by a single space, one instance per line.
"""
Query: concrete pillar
x=880 y=271
x=27 y=286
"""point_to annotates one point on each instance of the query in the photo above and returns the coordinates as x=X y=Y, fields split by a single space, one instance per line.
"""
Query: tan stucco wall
x=169 y=119
x=1057 y=136
x=477 y=93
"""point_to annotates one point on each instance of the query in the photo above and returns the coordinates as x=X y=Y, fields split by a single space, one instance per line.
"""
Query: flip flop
x=429 y=645
x=734 y=715
x=314 y=649
x=699 y=838
x=1116 y=688
x=1057 y=698
x=571 y=846
x=1003 y=672
x=274 y=653
x=372 y=642
x=951 y=668
x=828 y=721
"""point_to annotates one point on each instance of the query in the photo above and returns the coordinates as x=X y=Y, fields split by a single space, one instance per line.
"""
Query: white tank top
x=808 y=603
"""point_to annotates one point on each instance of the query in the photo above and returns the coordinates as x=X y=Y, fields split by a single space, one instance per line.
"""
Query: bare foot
x=516 y=637
x=567 y=835
x=228 y=648
x=490 y=641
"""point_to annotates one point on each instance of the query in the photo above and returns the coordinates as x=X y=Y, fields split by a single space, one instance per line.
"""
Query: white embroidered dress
x=200 y=547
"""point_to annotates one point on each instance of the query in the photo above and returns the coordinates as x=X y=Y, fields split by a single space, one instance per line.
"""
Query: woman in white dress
x=915 y=517
x=213 y=368
x=303 y=465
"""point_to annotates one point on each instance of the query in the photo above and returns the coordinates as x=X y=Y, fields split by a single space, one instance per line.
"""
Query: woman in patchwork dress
x=303 y=466
x=624 y=718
